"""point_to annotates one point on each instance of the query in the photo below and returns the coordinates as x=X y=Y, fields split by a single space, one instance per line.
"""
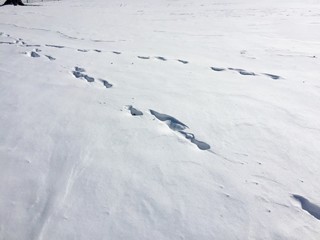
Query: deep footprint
x=172 y=122
x=178 y=126
x=190 y=136
x=79 y=73
x=106 y=83
x=308 y=206
x=32 y=54
x=79 y=69
x=88 y=78
x=134 y=111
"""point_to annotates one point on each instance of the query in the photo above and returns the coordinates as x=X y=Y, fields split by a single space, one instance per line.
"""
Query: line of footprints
x=79 y=72
x=174 y=124
x=36 y=53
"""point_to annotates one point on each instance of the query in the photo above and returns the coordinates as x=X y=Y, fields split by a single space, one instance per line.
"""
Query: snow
x=160 y=120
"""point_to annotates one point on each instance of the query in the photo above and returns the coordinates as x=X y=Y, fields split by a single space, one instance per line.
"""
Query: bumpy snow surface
x=160 y=119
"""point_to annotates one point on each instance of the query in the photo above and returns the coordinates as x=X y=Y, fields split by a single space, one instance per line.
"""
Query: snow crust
x=186 y=119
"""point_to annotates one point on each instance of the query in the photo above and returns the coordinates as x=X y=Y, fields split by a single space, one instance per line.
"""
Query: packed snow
x=162 y=119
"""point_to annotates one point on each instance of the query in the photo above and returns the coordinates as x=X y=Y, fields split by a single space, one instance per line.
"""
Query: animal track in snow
x=183 y=61
x=115 y=52
x=134 y=111
x=178 y=126
x=308 y=206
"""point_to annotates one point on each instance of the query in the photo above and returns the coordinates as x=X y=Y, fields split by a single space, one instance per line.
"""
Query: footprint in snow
x=242 y=71
x=115 y=52
x=308 y=206
x=10 y=43
x=245 y=72
x=32 y=54
x=106 y=83
x=33 y=45
x=80 y=73
x=172 y=122
x=183 y=61
x=134 y=111
x=161 y=58
x=273 y=76
x=82 y=50
x=190 y=136
x=50 y=57
x=176 y=125
x=218 y=69
x=54 y=46
x=143 y=57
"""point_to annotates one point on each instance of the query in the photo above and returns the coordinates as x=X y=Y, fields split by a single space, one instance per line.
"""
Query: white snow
x=79 y=161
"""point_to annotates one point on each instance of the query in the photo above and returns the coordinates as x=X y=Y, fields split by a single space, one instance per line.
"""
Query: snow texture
x=139 y=120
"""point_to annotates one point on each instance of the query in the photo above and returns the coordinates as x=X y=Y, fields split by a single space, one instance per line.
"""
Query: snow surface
x=108 y=109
